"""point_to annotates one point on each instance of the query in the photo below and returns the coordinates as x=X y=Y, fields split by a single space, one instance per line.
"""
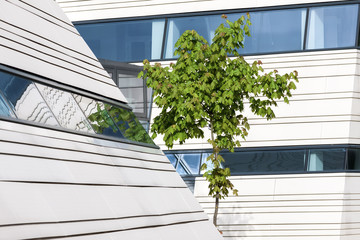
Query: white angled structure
x=75 y=163
x=298 y=174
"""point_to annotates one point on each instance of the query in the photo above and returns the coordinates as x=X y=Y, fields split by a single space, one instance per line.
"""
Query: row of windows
x=283 y=30
x=27 y=100
x=188 y=163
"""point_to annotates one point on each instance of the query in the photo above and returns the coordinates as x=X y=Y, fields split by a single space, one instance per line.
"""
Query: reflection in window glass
x=99 y=118
x=65 y=109
x=274 y=31
x=265 y=161
x=353 y=162
x=129 y=125
x=25 y=99
x=326 y=159
x=172 y=159
x=181 y=170
x=332 y=27
x=209 y=164
x=204 y=25
x=190 y=162
x=4 y=109
x=124 y=41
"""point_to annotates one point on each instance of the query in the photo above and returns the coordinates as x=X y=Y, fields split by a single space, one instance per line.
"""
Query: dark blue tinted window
x=204 y=25
x=326 y=159
x=274 y=31
x=124 y=41
x=332 y=27
x=172 y=159
x=265 y=161
x=4 y=109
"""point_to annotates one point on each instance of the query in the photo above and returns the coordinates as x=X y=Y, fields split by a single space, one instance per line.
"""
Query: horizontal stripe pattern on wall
x=34 y=38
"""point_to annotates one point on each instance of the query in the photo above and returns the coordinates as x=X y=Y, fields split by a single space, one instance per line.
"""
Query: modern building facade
x=297 y=175
x=75 y=161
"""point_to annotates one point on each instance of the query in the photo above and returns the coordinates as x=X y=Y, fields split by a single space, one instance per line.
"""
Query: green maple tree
x=208 y=87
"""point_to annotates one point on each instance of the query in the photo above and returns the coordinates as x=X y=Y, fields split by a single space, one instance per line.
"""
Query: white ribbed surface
x=51 y=47
x=78 y=10
x=291 y=207
x=62 y=185
x=323 y=110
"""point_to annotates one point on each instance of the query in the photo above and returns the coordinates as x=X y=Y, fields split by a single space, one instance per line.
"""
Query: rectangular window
x=274 y=31
x=353 y=162
x=204 y=25
x=128 y=41
x=265 y=161
x=332 y=27
x=326 y=159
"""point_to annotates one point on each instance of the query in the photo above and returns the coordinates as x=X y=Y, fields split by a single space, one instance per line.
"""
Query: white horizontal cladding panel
x=296 y=184
x=287 y=206
x=314 y=133
x=48 y=203
x=45 y=56
x=95 y=9
x=31 y=169
x=70 y=150
x=50 y=44
x=53 y=55
x=43 y=28
x=95 y=227
x=60 y=139
x=57 y=69
x=281 y=218
x=186 y=230
x=44 y=11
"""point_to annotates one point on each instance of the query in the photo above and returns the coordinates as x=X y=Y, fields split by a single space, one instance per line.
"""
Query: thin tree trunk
x=217 y=195
x=216 y=210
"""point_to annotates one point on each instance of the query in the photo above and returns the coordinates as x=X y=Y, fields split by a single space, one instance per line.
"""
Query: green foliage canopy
x=208 y=87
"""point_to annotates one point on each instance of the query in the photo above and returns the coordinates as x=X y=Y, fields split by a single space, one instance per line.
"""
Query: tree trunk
x=216 y=210
x=217 y=195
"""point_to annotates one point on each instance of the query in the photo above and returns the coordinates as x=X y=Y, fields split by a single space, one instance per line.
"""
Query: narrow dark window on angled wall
x=25 y=99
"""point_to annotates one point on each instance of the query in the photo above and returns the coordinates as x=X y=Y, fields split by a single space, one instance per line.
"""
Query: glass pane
x=65 y=109
x=124 y=41
x=204 y=25
x=332 y=27
x=4 y=108
x=190 y=163
x=137 y=107
x=209 y=164
x=98 y=117
x=133 y=95
x=353 y=159
x=274 y=31
x=326 y=159
x=25 y=99
x=265 y=161
x=181 y=170
x=125 y=80
x=129 y=125
x=172 y=159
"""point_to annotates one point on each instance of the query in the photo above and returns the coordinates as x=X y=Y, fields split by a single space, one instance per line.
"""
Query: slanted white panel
x=61 y=55
x=64 y=184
